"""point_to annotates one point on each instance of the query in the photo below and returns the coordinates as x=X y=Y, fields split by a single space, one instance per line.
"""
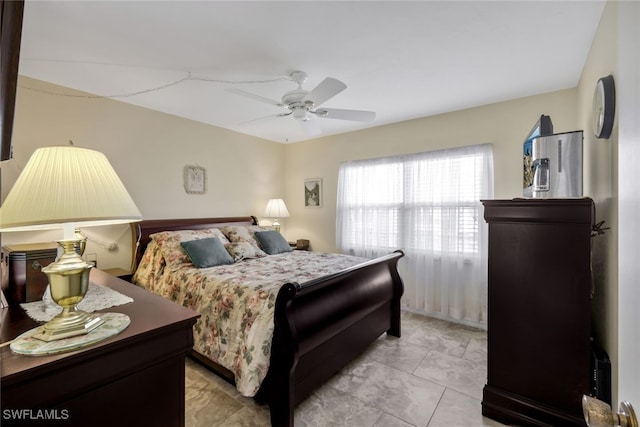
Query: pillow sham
x=244 y=250
x=150 y=268
x=272 y=242
x=207 y=252
x=243 y=233
x=169 y=243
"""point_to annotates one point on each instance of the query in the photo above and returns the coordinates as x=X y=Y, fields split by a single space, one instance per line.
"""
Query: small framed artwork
x=313 y=193
x=195 y=179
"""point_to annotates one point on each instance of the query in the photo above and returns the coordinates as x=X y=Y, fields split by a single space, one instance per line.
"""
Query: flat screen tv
x=543 y=127
x=11 y=34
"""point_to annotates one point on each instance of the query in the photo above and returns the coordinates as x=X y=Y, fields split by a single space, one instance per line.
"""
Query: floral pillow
x=172 y=251
x=244 y=250
x=243 y=233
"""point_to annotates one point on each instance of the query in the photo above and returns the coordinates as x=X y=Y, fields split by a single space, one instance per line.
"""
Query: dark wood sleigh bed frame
x=320 y=325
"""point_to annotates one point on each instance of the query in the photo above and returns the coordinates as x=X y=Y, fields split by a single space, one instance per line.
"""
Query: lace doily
x=97 y=298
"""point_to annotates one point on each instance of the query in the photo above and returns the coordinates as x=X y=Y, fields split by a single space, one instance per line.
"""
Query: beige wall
x=611 y=179
x=505 y=125
x=148 y=150
x=628 y=105
x=601 y=184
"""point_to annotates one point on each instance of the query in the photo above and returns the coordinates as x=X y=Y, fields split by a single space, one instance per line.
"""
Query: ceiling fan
x=303 y=105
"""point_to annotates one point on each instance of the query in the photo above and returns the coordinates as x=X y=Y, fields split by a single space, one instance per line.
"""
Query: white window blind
x=427 y=204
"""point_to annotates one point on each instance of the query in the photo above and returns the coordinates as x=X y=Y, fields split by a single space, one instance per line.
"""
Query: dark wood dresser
x=26 y=281
x=539 y=326
x=135 y=378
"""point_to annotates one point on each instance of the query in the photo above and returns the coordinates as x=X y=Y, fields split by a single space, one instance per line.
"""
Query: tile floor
x=432 y=376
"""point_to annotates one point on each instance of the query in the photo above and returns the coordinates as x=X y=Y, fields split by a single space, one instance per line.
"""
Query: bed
x=330 y=310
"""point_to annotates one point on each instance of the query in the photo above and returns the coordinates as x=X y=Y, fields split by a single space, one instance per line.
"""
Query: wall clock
x=604 y=107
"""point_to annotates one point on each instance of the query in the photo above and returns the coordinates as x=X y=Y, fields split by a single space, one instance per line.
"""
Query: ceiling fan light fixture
x=300 y=114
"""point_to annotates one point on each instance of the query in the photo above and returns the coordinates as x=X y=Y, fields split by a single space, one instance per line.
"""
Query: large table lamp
x=276 y=209
x=67 y=187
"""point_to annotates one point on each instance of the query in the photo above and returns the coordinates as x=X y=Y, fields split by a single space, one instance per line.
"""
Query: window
x=427 y=204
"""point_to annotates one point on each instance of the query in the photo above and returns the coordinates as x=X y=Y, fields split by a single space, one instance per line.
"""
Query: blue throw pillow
x=272 y=242
x=207 y=252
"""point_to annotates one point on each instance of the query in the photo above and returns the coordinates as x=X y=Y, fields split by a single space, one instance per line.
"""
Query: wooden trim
x=542 y=210
x=12 y=12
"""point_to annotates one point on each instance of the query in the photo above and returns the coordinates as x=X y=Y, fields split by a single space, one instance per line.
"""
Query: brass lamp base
x=75 y=323
x=68 y=282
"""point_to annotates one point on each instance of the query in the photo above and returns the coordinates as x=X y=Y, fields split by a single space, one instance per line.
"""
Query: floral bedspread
x=236 y=303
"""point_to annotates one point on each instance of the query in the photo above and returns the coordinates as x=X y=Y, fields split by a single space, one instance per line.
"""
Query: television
x=543 y=127
x=10 y=37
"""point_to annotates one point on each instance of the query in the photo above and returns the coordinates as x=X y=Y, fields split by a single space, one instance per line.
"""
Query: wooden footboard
x=323 y=324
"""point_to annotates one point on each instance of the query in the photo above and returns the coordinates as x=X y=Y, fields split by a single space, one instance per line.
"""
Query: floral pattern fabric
x=244 y=250
x=150 y=268
x=243 y=233
x=236 y=303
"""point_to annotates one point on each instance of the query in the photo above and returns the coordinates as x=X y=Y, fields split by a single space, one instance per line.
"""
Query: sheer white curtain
x=427 y=204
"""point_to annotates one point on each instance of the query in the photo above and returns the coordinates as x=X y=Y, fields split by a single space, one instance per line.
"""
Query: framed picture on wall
x=313 y=193
x=195 y=180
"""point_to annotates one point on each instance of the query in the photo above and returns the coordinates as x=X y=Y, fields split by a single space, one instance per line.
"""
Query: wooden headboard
x=146 y=228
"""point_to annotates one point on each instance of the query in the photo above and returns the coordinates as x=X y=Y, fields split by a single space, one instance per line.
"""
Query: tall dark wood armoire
x=539 y=325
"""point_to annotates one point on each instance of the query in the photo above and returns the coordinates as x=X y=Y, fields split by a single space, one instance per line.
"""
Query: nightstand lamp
x=276 y=209
x=67 y=187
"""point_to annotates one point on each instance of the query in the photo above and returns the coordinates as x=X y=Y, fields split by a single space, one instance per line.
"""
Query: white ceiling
x=403 y=60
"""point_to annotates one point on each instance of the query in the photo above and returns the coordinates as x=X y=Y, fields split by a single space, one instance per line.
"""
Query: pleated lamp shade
x=67 y=187
x=276 y=209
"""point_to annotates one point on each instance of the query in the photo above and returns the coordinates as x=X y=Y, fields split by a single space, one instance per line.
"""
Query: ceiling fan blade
x=256 y=97
x=328 y=88
x=310 y=127
x=259 y=119
x=354 y=115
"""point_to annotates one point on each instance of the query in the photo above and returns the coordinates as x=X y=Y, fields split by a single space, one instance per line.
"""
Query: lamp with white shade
x=276 y=209
x=66 y=187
